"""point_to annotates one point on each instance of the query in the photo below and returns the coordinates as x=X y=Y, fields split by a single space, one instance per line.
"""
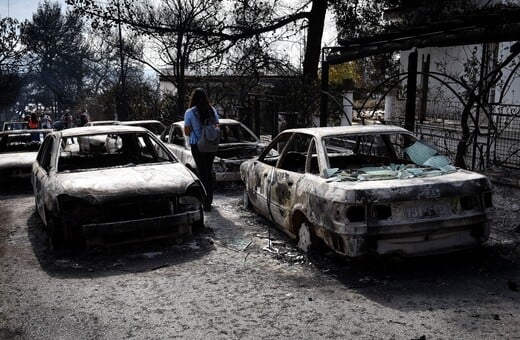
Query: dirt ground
x=226 y=283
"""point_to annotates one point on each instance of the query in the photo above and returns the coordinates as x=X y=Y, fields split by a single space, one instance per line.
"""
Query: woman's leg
x=204 y=162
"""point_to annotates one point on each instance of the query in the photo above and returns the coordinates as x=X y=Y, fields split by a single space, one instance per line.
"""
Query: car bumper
x=227 y=176
x=172 y=226
x=414 y=238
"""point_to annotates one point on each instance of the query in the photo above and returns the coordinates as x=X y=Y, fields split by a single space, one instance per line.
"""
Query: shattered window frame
x=295 y=152
x=93 y=151
x=382 y=156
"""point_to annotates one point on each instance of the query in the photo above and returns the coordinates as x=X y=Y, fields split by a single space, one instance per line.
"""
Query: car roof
x=145 y=121
x=222 y=121
x=104 y=122
x=344 y=130
x=99 y=129
x=24 y=131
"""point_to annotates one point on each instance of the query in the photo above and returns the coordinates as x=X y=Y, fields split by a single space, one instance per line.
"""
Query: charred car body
x=113 y=184
x=367 y=190
x=18 y=150
x=237 y=143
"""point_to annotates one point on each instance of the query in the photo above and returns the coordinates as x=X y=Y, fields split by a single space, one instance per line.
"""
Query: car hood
x=100 y=185
x=239 y=151
x=460 y=182
x=14 y=159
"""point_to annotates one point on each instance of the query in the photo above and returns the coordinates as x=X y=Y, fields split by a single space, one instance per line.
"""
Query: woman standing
x=201 y=111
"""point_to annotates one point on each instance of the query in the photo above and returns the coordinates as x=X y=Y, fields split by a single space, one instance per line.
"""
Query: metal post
x=121 y=107
x=324 y=98
x=257 y=116
x=425 y=68
x=411 y=87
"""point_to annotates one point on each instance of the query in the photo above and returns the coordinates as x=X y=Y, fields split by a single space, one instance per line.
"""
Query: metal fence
x=496 y=145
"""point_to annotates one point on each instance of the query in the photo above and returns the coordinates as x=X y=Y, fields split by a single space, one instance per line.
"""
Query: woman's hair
x=199 y=98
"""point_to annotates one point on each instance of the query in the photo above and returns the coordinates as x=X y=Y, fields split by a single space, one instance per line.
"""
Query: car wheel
x=246 y=202
x=55 y=237
x=304 y=237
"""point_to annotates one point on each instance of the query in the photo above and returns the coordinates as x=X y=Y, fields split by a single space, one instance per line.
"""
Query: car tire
x=304 y=237
x=55 y=236
x=246 y=202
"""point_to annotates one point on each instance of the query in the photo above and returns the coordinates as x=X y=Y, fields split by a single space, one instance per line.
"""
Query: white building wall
x=459 y=62
x=167 y=87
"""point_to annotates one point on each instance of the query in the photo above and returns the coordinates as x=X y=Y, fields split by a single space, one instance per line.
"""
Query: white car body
x=233 y=149
x=368 y=190
x=114 y=183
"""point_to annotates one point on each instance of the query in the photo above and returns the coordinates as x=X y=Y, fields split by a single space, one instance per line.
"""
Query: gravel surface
x=225 y=283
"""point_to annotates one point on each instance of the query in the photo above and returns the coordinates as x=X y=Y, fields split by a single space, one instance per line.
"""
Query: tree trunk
x=314 y=36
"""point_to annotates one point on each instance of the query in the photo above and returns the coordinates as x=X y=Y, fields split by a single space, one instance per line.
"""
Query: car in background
x=367 y=190
x=237 y=144
x=113 y=184
x=155 y=126
x=21 y=125
x=18 y=149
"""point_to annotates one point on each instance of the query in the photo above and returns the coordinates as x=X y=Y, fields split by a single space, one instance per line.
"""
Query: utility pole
x=121 y=112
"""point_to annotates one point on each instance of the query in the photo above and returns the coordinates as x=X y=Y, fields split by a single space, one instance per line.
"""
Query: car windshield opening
x=109 y=150
x=382 y=156
x=21 y=142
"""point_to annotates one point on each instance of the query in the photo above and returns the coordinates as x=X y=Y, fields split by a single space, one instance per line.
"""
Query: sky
x=21 y=9
x=24 y=9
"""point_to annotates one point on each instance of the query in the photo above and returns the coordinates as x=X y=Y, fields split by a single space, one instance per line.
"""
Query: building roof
x=477 y=27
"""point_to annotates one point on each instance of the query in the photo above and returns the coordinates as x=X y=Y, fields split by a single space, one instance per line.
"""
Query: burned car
x=16 y=125
x=237 y=143
x=367 y=190
x=153 y=125
x=18 y=149
x=113 y=184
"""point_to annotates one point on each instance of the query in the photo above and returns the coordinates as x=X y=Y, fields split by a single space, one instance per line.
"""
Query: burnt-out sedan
x=367 y=190
x=18 y=150
x=237 y=144
x=113 y=184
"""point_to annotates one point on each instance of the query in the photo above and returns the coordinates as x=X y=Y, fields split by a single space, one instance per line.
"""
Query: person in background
x=200 y=110
x=83 y=118
x=46 y=122
x=64 y=122
x=69 y=120
x=33 y=123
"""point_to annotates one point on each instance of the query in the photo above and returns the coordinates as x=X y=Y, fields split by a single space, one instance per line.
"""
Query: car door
x=289 y=171
x=40 y=175
x=177 y=143
x=259 y=173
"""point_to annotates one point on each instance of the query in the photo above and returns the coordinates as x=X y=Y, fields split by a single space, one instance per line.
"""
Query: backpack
x=210 y=136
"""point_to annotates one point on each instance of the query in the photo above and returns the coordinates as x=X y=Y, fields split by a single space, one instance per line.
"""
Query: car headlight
x=189 y=200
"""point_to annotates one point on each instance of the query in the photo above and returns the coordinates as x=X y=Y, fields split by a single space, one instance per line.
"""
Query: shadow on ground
x=114 y=260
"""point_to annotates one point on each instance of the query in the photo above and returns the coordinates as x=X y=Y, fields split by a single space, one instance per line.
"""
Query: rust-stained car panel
x=18 y=150
x=368 y=189
x=113 y=184
x=237 y=143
